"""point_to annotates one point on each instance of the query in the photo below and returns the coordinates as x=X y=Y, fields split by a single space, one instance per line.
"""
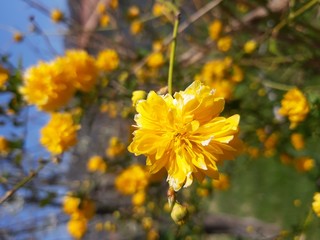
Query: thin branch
x=23 y=182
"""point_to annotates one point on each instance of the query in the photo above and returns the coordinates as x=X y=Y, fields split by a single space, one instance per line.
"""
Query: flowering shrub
x=165 y=118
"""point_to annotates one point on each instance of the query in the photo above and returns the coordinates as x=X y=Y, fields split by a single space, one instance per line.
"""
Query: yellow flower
x=83 y=69
x=294 y=105
x=104 y=20
x=56 y=15
x=223 y=89
x=71 y=204
x=159 y=9
x=18 y=37
x=215 y=29
x=297 y=141
x=107 y=60
x=224 y=44
x=116 y=147
x=114 y=4
x=138 y=95
x=139 y=198
x=304 y=164
x=286 y=159
x=155 y=60
x=133 y=11
x=153 y=235
x=136 y=27
x=250 y=46
x=48 y=85
x=76 y=206
x=4 y=146
x=4 y=75
x=316 y=203
x=223 y=183
x=101 y=8
x=96 y=164
x=60 y=133
x=132 y=180
x=185 y=134
x=237 y=74
x=77 y=227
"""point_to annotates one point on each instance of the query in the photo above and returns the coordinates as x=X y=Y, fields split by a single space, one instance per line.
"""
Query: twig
x=293 y=15
x=23 y=182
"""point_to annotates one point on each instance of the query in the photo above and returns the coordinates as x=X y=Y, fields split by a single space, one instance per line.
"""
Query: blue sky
x=14 y=16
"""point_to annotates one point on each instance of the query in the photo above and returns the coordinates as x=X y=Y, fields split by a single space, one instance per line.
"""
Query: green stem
x=293 y=15
x=173 y=52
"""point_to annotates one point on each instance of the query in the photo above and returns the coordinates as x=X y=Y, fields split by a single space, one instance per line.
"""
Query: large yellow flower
x=294 y=105
x=60 y=133
x=185 y=134
x=48 y=85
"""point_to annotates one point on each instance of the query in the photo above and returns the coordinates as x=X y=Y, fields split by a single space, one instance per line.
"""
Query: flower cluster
x=51 y=85
x=133 y=181
x=60 y=133
x=221 y=75
x=185 y=134
x=80 y=210
x=294 y=105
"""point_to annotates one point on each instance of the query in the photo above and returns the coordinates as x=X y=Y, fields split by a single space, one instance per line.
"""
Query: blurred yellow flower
x=76 y=206
x=316 y=203
x=115 y=148
x=18 y=37
x=56 y=15
x=185 y=134
x=155 y=60
x=294 y=105
x=133 y=11
x=138 y=95
x=114 y=4
x=136 y=27
x=96 y=164
x=153 y=235
x=250 y=46
x=104 y=20
x=4 y=75
x=237 y=74
x=139 y=198
x=70 y=204
x=304 y=164
x=4 y=146
x=101 y=8
x=223 y=183
x=224 y=44
x=158 y=9
x=48 y=85
x=215 y=29
x=77 y=227
x=83 y=69
x=60 y=133
x=108 y=60
x=132 y=180
x=297 y=141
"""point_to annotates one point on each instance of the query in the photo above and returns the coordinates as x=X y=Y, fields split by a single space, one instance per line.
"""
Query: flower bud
x=179 y=213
